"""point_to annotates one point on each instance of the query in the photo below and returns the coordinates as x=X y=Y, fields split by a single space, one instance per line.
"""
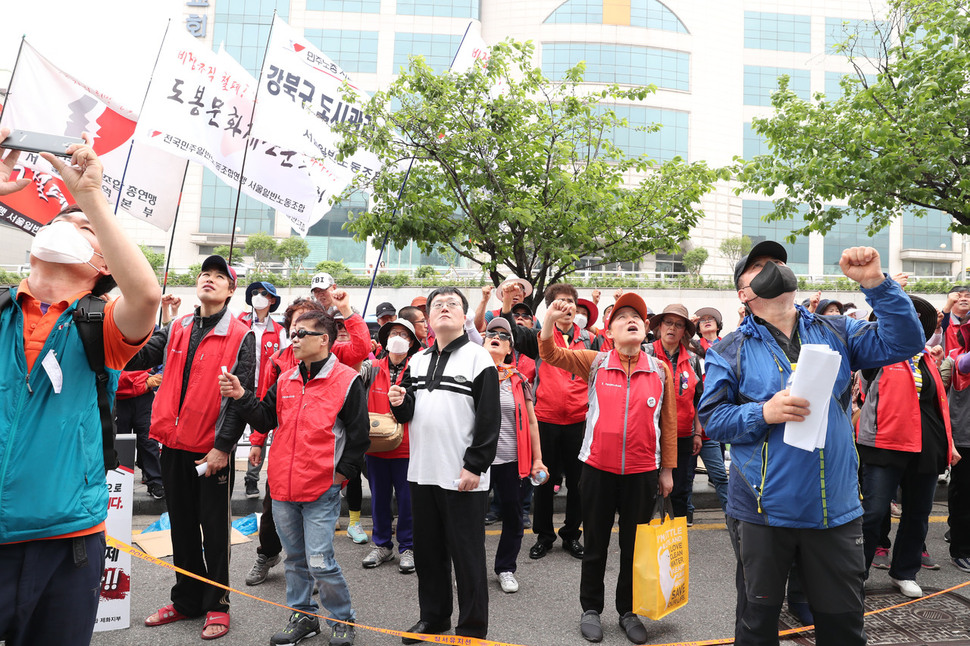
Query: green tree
x=335 y=268
x=294 y=250
x=237 y=252
x=154 y=258
x=524 y=180
x=694 y=260
x=735 y=248
x=894 y=140
x=262 y=247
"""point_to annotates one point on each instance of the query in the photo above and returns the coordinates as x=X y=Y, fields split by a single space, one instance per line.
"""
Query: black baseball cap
x=768 y=248
x=385 y=309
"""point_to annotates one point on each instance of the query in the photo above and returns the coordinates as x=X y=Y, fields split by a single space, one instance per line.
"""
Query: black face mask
x=773 y=281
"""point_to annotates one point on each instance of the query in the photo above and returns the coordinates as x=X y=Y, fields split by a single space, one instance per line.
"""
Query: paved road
x=545 y=610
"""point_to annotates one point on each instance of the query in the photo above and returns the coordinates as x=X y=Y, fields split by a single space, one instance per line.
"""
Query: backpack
x=89 y=317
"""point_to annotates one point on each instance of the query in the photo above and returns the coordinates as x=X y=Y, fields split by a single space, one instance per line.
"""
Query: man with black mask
x=787 y=505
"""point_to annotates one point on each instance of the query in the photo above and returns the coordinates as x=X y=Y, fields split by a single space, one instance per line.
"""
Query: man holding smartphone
x=52 y=539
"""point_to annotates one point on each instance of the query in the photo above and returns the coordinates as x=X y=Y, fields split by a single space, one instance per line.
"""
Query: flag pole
x=404 y=182
x=3 y=108
x=242 y=167
x=171 y=242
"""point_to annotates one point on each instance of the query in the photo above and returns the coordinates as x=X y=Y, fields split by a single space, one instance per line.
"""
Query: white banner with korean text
x=302 y=93
x=45 y=99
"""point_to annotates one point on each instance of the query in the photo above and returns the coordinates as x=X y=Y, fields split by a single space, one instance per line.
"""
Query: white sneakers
x=509 y=584
x=908 y=588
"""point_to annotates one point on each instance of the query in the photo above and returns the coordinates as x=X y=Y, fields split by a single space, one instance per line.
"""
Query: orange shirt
x=38 y=325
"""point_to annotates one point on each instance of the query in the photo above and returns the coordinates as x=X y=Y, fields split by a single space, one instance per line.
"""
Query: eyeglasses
x=679 y=325
x=503 y=336
x=299 y=334
x=707 y=319
x=451 y=305
x=520 y=315
x=402 y=333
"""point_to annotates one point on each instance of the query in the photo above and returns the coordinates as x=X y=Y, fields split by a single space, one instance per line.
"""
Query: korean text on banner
x=43 y=98
x=199 y=107
x=114 y=607
x=302 y=93
x=660 y=567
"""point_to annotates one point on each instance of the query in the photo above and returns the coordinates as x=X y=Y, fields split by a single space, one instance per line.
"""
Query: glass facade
x=754 y=144
x=243 y=26
x=780 y=32
x=349 y=6
x=833 y=87
x=219 y=204
x=761 y=82
x=665 y=144
x=753 y=226
x=438 y=49
x=861 y=38
x=845 y=234
x=649 y=14
x=443 y=8
x=354 y=51
x=623 y=64
x=931 y=232
x=329 y=240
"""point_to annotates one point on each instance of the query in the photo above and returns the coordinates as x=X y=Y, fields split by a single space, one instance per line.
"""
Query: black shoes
x=252 y=489
x=425 y=628
x=574 y=547
x=633 y=628
x=156 y=491
x=590 y=626
x=538 y=550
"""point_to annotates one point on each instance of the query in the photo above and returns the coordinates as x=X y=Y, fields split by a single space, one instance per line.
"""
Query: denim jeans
x=306 y=530
x=878 y=489
x=714 y=463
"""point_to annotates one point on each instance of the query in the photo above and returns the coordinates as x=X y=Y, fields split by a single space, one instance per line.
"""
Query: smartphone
x=39 y=142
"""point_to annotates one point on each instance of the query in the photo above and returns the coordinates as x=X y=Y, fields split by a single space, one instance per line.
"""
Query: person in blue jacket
x=787 y=505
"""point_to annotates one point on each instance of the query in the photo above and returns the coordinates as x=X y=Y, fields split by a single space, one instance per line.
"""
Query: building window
x=219 y=205
x=928 y=268
x=354 y=51
x=930 y=232
x=243 y=27
x=330 y=240
x=441 y=8
x=780 y=32
x=624 y=64
x=649 y=14
x=670 y=263
x=438 y=49
x=845 y=234
x=754 y=144
x=753 y=226
x=833 y=84
x=761 y=82
x=345 y=6
x=670 y=141
x=861 y=38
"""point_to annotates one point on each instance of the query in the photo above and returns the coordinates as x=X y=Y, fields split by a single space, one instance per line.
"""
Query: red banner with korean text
x=43 y=98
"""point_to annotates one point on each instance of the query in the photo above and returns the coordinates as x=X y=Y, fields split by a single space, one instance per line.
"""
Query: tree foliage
x=694 y=260
x=895 y=140
x=735 y=248
x=522 y=180
x=294 y=250
x=154 y=258
x=262 y=247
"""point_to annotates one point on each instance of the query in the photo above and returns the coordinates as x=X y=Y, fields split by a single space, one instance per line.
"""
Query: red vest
x=951 y=344
x=704 y=343
x=561 y=397
x=192 y=428
x=304 y=456
x=269 y=344
x=685 y=380
x=279 y=363
x=377 y=403
x=623 y=425
x=523 y=440
x=897 y=423
x=132 y=383
x=526 y=367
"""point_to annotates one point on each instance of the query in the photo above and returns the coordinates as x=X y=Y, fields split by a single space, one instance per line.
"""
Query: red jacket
x=951 y=343
x=890 y=416
x=526 y=366
x=523 y=439
x=309 y=435
x=686 y=380
x=561 y=398
x=132 y=383
x=192 y=428
x=377 y=402
x=623 y=425
x=269 y=344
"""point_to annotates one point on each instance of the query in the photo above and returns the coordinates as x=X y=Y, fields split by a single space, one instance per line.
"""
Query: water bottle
x=539 y=478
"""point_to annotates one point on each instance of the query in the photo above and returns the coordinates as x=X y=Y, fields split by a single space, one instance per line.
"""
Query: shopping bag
x=660 y=572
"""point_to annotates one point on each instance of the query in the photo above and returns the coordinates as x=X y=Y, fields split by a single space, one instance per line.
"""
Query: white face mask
x=398 y=345
x=260 y=302
x=580 y=320
x=61 y=242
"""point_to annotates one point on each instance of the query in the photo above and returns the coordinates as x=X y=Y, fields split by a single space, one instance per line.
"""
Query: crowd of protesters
x=476 y=402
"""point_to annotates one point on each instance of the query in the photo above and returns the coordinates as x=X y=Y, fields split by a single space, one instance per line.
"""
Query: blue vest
x=51 y=461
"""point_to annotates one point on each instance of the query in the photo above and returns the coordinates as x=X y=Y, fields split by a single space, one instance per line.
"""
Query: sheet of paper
x=53 y=371
x=818 y=366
